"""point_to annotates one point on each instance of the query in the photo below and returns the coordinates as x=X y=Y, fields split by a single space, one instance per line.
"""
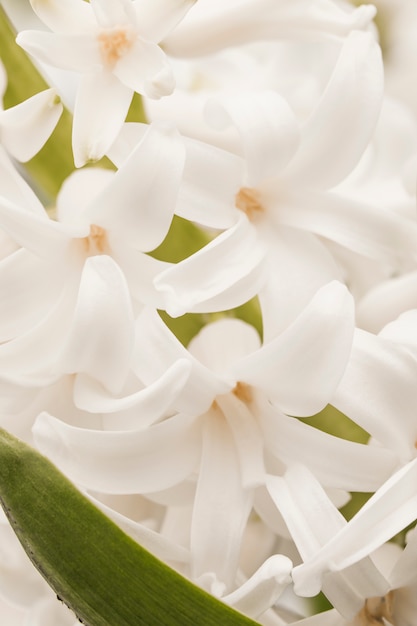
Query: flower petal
x=313 y=520
x=139 y=201
x=37 y=233
x=236 y=258
x=32 y=287
x=15 y=188
x=297 y=265
x=156 y=543
x=157 y=349
x=141 y=461
x=101 y=106
x=267 y=127
x=221 y=505
x=263 y=588
x=360 y=227
x=64 y=16
x=79 y=52
x=300 y=369
x=378 y=392
x=345 y=117
x=336 y=462
x=212 y=26
x=158 y=19
x=25 y=127
x=223 y=342
x=212 y=178
x=145 y=69
x=388 y=511
x=100 y=339
x=151 y=403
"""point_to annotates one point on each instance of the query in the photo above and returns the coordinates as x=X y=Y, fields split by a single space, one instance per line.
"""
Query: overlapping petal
x=101 y=106
x=141 y=461
x=25 y=127
x=345 y=117
x=138 y=203
x=236 y=258
x=300 y=368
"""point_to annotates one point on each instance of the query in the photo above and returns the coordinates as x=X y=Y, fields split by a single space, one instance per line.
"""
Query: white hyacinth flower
x=114 y=45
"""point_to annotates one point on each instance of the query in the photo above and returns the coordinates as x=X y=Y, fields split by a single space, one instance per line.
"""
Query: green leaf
x=104 y=576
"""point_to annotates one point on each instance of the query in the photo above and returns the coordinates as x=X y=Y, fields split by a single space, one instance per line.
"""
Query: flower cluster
x=213 y=331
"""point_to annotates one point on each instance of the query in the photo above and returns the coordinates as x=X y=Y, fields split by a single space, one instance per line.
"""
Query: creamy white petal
x=236 y=260
x=360 y=227
x=151 y=402
x=140 y=270
x=217 y=25
x=79 y=52
x=263 y=588
x=300 y=369
x=386 y=301
x=378 y=392
x=78 y=191
x=389 y=510
x=313 y=520
x=15 y=188
x=212 y=178
x=100 y=339
x=402 y=331
x=101 y=106
x=334 y=461
x=31 y=286
x=297 y=265
x=157 y=19
x=157 y=349
x=142 y=461
x=145 y=69
x=248 y=439
x=267 y=127
x=156 y=543
x=25 y=127
x=139 y=201
x=113 y=13
x=338 y=131
x=221 y=505
x=64 y=16
x=130 y=135
x=37 y=233
x=32 y=358
x=223 y=342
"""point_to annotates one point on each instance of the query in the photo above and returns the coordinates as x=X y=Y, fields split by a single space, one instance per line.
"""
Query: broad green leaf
x=104 y=576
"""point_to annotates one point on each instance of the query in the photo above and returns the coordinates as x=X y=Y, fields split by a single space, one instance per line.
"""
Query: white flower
x=123 y=214
x=233 y=409
x=363 y=589
x=114 y=44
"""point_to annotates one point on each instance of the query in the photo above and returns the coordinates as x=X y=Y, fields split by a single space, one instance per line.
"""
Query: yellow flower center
x=96 y=242
x=376 y=610
x=243 y=392
x=248 y=200
x=114 y=43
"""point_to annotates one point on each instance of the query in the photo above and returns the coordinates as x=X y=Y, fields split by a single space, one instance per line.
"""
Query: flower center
x=96 y=242
x=114 y=43
x=248 y=200
x=376 y=610
x=243 y=392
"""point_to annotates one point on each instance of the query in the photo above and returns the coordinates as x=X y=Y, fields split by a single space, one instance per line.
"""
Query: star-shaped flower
x=114 y=45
